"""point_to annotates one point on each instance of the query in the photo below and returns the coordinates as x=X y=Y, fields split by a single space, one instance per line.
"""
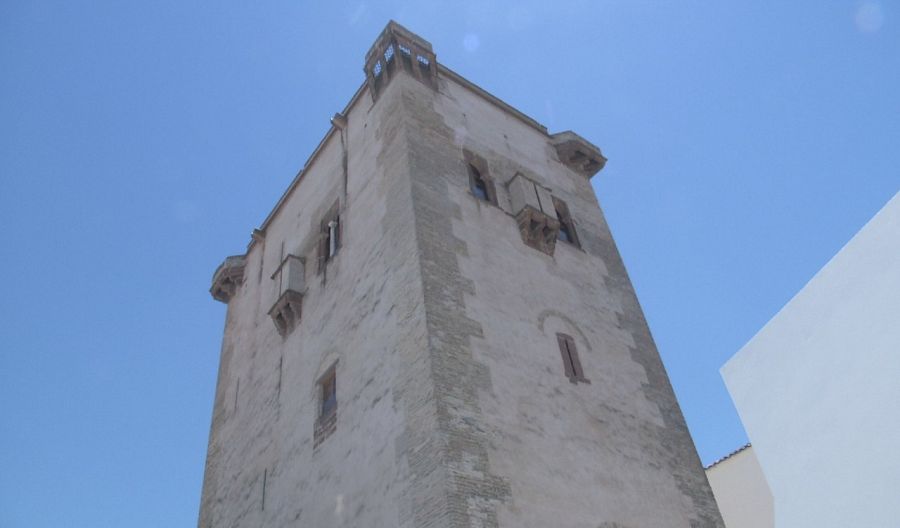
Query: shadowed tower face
x=433 y=328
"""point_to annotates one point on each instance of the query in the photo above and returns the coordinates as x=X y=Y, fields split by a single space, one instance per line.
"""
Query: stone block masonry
x=452 y=406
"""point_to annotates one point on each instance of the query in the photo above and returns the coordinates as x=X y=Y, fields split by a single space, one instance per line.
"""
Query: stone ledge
x=538 y=230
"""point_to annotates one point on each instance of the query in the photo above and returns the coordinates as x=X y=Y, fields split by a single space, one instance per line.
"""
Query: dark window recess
x=571 y=362
x=566 y=231
x=424 y=65
x=326 y=423
x=563 y=233
x=476 y=182
x=330 y=237
x=482 y=186
x=407 y=62
x=406 y=57
x=262 y=503
x=278 y=387
x=329 y=395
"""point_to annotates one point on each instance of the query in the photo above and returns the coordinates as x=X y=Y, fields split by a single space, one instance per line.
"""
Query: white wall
x=741 y=491
x=818 y=388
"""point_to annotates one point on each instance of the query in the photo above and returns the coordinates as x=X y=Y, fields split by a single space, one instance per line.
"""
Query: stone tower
x=433 y=328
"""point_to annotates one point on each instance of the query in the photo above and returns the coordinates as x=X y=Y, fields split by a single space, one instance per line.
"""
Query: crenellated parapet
x=228 y=276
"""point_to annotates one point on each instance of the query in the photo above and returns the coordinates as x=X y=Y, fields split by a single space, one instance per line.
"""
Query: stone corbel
x=228 y=276
x=538 y=229
x=577 y=153
x=287 y=311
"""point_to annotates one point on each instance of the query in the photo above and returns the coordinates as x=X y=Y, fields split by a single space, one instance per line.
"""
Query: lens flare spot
x=869 y=17
x=471 y=42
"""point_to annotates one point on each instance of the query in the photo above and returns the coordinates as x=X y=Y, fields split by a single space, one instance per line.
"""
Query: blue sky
x=141 y=142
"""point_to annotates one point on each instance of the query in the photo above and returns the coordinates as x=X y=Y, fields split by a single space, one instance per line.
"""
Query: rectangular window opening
x=326 y=422
x=570 y=359
x=329 y=395
x=262 y=505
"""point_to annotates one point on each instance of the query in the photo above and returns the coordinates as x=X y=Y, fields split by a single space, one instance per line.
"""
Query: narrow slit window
x=329 y=395
x=570 y=359
x=326 y=421
x=262 y=503
x=566 y=231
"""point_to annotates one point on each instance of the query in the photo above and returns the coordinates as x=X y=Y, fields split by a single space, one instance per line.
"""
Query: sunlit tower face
x=433 y=327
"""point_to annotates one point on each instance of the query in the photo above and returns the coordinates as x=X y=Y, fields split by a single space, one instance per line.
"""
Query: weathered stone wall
x=365 y=313
x=453 y=408
x=524 y=445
